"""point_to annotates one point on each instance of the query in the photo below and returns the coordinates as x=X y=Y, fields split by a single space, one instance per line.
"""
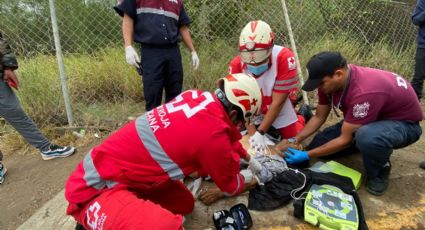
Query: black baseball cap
x=321 y=65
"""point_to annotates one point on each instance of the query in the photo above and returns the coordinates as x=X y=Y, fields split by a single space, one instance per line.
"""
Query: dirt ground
x=31 y=182
x=401 y=207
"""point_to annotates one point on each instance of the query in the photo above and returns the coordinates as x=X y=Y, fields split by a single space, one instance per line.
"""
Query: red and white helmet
x=243 y=91
x=255 y=42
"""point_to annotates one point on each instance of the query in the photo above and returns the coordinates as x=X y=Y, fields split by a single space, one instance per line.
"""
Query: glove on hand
x=195 y=60
x=254 y=165
x=258 y=142
x=293 y=156
x=131 y=56
x=247 y=175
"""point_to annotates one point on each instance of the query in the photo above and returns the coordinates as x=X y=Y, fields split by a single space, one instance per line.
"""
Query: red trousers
x=293 y=129
x=161 y=207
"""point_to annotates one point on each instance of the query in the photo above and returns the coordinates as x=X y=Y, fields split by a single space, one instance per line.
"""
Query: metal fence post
x=294 y=48
x=60 y=63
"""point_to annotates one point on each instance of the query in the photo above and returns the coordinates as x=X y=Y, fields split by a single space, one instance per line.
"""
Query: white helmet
x=255 y=42
x=242 y=91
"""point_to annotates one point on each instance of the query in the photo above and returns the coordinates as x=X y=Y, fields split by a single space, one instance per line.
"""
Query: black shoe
x=79 y=227
x=378 y=185
x=306 y=112
x=422 y=165
x=3 y=171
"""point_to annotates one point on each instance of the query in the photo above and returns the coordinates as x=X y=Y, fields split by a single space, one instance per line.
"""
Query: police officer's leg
x=329 y=134
x=419 y=75
x=153 y=64
x=377 y=140
x=11 y=111
x=121 y=209
x=174 y=77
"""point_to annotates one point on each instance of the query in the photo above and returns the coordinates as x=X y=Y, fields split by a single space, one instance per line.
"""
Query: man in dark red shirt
x=381 y=113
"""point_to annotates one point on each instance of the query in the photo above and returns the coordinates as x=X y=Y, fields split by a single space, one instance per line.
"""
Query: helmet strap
x=223 y=99
x=228 y=106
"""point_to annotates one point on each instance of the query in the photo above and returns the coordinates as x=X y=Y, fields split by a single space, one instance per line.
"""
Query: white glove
x=195 y=60
x=131 y=56
x=254 y=165
x=247 y=175
x=258 y=143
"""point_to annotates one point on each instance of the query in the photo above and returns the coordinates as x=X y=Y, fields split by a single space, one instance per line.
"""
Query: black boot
x=378 y=185
x=79 y=227
x=422 y=165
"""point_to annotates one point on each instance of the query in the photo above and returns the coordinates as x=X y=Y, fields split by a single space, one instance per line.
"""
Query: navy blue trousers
x=376 y=141
x=419 y=75
x=162 y=71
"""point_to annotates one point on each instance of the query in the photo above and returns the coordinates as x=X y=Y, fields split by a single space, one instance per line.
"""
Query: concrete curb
x=51 y=216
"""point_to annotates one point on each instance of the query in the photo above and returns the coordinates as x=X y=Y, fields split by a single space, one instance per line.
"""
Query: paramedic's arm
x=286 y=82
x=222 y=162
x=219 y=159
x=278 y=100
x=212 y=194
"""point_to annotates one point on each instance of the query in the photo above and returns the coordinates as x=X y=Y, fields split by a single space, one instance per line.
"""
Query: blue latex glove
x=294 y=156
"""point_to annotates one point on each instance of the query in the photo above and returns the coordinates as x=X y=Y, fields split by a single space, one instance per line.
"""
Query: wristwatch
x=292 y=140
x=261 y=132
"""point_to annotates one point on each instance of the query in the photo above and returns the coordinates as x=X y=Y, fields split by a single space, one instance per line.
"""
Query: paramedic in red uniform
x=381 y=112
x=275 y=70
x=157 y=25
x=133 y=178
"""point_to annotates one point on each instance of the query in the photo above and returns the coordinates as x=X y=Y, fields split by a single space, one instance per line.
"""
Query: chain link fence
x=104 y=90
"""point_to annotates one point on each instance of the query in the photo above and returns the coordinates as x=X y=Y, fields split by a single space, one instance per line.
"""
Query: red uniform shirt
x=192 y=133
x=286 y=78
x=280 y=77
x=374 y=95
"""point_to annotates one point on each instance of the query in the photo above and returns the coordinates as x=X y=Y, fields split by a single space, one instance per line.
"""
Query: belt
x=159 y=46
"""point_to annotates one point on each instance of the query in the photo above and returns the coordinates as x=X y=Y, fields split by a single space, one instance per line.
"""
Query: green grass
x=378 y=55
x=105 y=90
x=104 y=80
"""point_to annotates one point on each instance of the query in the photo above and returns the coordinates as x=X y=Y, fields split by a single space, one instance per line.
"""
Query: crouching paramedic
x=133 y=178
x=275 y=70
